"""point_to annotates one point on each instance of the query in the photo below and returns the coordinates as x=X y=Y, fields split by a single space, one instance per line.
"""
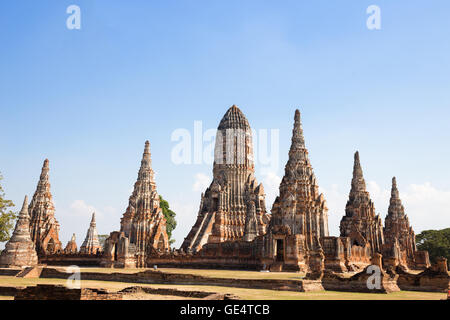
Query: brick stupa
x=360 y=222
x=43 y=225
x=397 y=228
x=71 y=247
x=20 y=250
x=299 y=213
x=233 y=207
x=144 y=223
x=91 y=245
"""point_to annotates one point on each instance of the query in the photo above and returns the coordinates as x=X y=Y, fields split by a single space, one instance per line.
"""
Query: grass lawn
x=247 y=294
x=210 y=273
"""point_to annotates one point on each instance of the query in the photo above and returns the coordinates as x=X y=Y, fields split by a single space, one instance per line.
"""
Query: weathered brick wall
x=52 y=292
x=10 y=291
x=157 y=277
x=82 y=260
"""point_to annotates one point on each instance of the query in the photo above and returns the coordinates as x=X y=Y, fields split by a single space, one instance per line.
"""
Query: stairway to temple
x=277 y=266
x=202 y=234
x=30 y=272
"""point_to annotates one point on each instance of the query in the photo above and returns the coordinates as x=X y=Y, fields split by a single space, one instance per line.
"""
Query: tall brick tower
x=397 y=227
x=233 y=206
x=360 y=222
x=143 y=223
x=44 y=227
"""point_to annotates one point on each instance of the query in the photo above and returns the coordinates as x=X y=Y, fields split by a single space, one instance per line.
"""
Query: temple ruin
x=233 y=207
x=360 y=223
x=20 y=250
x=44 y=227
x=143 y=225
x=233 y=229
x=91 y=245
x=71 y=246
x=299 y=214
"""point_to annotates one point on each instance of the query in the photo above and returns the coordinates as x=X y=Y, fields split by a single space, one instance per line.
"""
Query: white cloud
x=201 y=182
x=336 y=200
x=271 y=182
x=81 y=208
x=186 y=216
x=426 y=206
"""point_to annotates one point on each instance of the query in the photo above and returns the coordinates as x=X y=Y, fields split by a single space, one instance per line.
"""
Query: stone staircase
x=202 y=235
x=30 y=272
x=277 y=266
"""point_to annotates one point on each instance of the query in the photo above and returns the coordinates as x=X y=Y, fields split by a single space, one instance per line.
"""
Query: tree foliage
x=102 y=239
x=7 y=216
x=436 y=242
x=171 y=223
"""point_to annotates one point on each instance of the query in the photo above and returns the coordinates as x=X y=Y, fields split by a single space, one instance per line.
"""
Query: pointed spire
x=147 y=155
x=43 y=179
x=395 y=204
x=298 y=141
x=24 y=211
x=358 y=182
x=394 y=190
x=93 y=218
x=91 y=245
x=145 y=171
x=73 y=238
x=20 y=250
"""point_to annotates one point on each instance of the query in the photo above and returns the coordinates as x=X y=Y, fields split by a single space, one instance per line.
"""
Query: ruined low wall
x=358 y=283
x=82 y=260
x=180 y=293
x=424 y=281
x=9 y=272
x=10 y=291
x=157 y=277
x=52 y=292
x=196 y=262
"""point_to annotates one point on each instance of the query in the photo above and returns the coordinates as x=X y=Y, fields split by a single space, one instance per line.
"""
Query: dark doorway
x=280 y=250
x=215 y=204
x=115 y=252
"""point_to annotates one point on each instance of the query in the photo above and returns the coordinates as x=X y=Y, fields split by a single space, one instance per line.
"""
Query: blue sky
x=88 y=99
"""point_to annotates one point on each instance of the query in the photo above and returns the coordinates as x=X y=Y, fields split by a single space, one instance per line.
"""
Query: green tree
x=171 y=223
x=7 y=216
x=436 y=242
x=102 y=238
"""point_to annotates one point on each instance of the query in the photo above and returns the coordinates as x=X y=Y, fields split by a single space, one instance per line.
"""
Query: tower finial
x=93 y=218
x=358 y=183
x=24 y=210
x=394 y=190
x=298 y=141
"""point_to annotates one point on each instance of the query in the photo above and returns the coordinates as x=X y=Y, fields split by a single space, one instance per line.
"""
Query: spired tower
x=143 y=223
x=360 y=222
x=91 y=245
x=20 y=250
x=71 y=246
x=44 y=227
x=233 y=207
x=299 y=213
x=397 y=228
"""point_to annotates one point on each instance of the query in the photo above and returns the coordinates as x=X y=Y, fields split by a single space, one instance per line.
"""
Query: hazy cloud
x=201 y=182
